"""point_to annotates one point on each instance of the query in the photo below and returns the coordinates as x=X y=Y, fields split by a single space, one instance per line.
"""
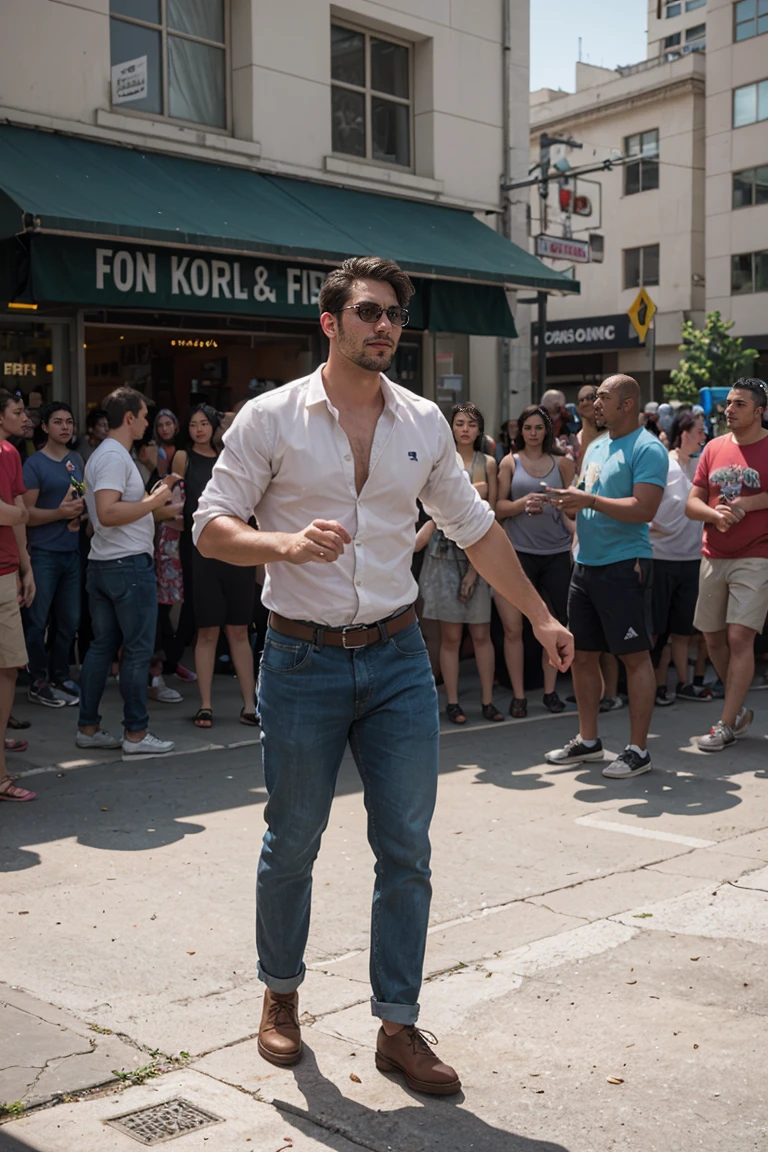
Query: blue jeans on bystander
x=122 y=596
x=382 y=700
x=57 y=596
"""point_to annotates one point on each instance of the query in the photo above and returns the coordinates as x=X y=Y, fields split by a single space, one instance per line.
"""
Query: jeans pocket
x=409 y=642
x=285 y=654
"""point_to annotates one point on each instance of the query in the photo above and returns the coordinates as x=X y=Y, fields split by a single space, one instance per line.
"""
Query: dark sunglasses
x=372 y=313
x=593 y=397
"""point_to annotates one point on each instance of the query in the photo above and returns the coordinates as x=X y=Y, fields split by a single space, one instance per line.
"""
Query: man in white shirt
x=122 y=590
x=332 y=466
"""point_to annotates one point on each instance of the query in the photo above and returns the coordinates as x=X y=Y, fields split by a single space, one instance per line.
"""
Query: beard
x=378 y=361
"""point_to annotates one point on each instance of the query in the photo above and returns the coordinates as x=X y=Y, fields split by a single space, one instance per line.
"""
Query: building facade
x=685 y=214
x=176 y=179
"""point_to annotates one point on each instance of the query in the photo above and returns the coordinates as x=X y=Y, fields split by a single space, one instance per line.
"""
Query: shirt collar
x=316 y=393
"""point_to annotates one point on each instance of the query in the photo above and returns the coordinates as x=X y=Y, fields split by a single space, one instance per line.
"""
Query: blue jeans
x=122 y=596
x=57 y=583
x=382 y=699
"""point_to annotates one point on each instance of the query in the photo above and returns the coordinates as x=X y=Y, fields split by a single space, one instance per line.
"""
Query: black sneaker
x=628 y=763
x=701 y=693
x=662 y=700
x=42 y=693
x=575 y=752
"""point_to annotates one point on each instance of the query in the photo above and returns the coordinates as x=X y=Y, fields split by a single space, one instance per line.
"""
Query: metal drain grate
x=161 y=1122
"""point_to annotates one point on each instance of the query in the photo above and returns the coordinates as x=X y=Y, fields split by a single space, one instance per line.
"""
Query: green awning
x=104 y=190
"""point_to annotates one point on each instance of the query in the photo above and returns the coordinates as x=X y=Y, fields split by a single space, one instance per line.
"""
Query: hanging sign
x=129 y=80
x=562 y=248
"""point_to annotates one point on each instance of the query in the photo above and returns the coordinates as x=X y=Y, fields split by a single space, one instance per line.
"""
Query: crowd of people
x=97 y=568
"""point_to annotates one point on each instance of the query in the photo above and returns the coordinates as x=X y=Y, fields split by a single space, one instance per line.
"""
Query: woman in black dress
x=222 y=594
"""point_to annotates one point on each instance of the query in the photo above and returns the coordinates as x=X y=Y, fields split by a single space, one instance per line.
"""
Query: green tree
x=711 y=358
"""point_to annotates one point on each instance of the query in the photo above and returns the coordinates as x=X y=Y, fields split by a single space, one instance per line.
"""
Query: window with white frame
x=641 y=266
x=696 y=37
x=641 y=171
x=750 y=18
x=673 y=41
x=750 y=187
x=169 y=58
x=750 y=104
x=691 y=4
x=749 y=273
x=672 y=8
x=371 y=96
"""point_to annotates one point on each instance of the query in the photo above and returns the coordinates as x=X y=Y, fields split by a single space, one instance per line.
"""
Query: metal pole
x=652 y=354
x=542 y=349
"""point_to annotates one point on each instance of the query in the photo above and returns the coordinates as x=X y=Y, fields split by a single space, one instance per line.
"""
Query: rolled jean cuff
x=395 y=1013
x=84 y=721
x=279 y=985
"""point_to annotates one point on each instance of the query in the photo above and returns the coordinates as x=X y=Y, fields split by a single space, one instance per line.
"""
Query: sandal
x=455 y=714
x=204 y=718
x=9 y=791
x=249 y=718
x=16 y=745
x=16 y=725
x=491 y=712
x=518 y=708
x=553 y=703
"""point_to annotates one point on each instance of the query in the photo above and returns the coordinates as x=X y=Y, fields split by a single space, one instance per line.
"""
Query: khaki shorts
x=732 y=592
x=13 y=650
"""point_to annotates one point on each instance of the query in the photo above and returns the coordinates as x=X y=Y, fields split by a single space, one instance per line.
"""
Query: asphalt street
x=596 y=965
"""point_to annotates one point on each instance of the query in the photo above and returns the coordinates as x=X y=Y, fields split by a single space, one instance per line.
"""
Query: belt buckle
x=353 y=628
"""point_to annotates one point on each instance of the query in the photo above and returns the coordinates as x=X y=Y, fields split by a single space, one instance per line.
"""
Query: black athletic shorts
x=550 y=576
x=609 y=607
x=221 y=593
x=675 y=592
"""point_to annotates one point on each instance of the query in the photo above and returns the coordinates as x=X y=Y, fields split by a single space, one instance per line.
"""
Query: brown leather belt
x=353 y=636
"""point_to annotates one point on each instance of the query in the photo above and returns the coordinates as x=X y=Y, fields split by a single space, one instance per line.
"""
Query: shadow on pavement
x=429 y=1122
x=9 y=1143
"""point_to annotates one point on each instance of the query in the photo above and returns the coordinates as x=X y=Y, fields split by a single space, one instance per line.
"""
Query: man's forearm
x=496 y=560
x=124 y=512
x=20 y=534
x=627 y=509
x=698 y=509
x=229 y=539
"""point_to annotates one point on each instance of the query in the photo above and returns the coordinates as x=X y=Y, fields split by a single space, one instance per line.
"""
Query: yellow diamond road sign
x=641 y=313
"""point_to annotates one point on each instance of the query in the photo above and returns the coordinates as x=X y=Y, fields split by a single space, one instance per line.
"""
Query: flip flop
x=249 y=718
x=9 y=791
x=204 y=718
x=16 y=725
x=16 y=745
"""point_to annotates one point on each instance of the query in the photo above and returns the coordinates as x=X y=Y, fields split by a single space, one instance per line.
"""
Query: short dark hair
x=757 y=388
x=549 y=430
x=475 y=414
x=338 y=284
x=212 y=416
x=55 y=406
x=7 y=397
x=123 y=400
x=93 y=418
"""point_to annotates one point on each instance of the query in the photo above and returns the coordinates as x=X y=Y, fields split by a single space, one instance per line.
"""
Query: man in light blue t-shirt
x=609 y=601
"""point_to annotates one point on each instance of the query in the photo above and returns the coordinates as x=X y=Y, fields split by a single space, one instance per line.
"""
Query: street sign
x=641 y=312
x=562 y=248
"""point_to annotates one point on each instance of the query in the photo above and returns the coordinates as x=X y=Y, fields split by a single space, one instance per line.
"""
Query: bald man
x=553 y=401
x=609 y=601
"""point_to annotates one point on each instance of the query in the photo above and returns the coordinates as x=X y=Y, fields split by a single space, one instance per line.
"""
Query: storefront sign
x=13 y=369
x=129 y=80
x=559 y=248
x=131 y=276
x=590 y=334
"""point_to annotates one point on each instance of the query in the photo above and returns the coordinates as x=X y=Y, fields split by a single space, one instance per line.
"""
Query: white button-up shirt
x=287 y=461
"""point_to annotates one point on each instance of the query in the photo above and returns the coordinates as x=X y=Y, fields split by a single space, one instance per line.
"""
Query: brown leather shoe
x=279 y=1032
x=408 y=1052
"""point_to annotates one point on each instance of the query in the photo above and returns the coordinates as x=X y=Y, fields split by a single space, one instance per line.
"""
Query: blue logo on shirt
x=413 y=456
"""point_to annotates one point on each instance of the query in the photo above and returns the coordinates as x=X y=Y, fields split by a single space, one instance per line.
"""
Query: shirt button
x=358 y=582
x=347 y=457
x=358 y=543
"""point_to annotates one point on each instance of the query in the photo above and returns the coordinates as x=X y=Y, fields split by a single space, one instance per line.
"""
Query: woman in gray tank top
x=541 y=536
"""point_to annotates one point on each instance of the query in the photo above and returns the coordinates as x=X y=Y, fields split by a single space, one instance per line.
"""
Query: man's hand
x=160 y=495
x=570 y=500
x=557 y=642
x=726 y=517
x=323 y=541
x=27 y=593
x=71 y=506
x=741 y=505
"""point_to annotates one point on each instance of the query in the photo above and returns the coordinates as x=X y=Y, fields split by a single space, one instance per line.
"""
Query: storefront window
x=451 y=371
x=34 y=360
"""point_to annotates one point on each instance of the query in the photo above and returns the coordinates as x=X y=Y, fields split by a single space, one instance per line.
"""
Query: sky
x=612 y=33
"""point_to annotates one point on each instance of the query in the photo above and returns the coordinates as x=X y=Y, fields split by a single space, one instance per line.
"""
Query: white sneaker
x=743 y=721
x=159 y=690
x=149 y=746
x=100 y=739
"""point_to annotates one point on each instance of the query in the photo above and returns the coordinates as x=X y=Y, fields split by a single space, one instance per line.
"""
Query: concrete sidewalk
x=595 y=965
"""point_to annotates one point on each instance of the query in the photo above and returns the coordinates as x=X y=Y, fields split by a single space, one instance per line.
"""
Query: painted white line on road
x=503 y=724
x=648 y=833
x=70 y=765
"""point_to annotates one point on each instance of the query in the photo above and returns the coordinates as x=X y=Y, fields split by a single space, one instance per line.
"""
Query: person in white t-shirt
x=121 y=584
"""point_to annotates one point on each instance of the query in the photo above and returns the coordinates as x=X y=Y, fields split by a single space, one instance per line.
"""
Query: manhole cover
x=161 y=1122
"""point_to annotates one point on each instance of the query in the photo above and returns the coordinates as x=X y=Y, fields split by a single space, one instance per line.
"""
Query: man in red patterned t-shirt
x=730 y=494
x=14 y=564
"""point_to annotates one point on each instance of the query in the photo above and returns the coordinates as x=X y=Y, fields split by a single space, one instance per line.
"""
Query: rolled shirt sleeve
x=449 y=497
x=240 y=475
